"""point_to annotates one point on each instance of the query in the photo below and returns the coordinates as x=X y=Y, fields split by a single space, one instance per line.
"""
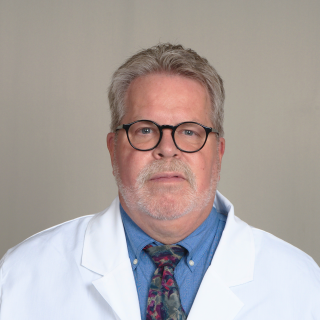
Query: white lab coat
x=81 y=270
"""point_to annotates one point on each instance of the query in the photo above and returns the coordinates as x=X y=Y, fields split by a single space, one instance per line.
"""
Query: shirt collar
x=137 y=239
x=197 y=243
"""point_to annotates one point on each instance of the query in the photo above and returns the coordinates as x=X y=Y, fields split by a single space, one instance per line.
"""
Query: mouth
x=168 y=177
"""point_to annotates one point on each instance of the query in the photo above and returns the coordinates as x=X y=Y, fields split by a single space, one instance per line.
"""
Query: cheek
x=206 y=176
x=201 y=170
x=204 y=169
x=130 y=163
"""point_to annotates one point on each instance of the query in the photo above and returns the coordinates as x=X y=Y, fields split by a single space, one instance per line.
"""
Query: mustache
x=159 y=166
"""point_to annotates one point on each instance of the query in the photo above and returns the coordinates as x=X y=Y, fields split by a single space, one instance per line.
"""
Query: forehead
x=163 y=98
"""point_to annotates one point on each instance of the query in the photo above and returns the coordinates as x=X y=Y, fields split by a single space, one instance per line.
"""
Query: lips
x=163 y=171
x=167 y=176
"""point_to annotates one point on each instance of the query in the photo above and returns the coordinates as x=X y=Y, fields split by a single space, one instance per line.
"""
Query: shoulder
x=64 y=241
x=269 y=246
x=280 y=262
x=285 y=281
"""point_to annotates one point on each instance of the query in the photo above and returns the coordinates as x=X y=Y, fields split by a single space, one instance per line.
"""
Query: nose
x=166 y=148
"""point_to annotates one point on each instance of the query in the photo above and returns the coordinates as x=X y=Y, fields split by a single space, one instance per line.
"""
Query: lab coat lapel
x=214 y=300
x=232 y=265
x=105 y=252
x=118 y=288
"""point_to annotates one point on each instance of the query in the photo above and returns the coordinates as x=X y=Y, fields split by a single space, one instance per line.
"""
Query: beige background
x=56 y=60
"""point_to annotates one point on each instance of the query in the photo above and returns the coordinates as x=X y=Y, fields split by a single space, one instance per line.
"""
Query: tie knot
x=166 y=255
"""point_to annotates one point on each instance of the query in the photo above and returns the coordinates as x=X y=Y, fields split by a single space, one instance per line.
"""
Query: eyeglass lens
x=188 y=136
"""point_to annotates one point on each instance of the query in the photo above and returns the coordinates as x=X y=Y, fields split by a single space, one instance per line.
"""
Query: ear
x=110 y=145
x=222 y=145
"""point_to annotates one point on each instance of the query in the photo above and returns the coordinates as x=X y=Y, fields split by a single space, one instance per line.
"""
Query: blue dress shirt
x=201 y=245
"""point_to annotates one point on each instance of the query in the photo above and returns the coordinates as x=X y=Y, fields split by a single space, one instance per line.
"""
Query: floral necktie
x=163 y=298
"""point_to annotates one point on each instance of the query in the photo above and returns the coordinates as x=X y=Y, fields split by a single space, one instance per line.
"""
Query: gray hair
x=171 y=59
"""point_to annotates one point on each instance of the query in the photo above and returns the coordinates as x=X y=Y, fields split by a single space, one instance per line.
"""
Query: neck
x=168 y=231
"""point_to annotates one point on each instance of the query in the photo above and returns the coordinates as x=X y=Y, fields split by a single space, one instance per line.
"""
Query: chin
x=165 y=210
x=171 y=203
x=168 y=206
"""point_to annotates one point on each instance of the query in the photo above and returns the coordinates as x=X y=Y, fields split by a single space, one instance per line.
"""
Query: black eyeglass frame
x=166 y=126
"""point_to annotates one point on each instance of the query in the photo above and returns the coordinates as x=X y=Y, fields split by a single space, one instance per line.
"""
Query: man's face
x=166 y=183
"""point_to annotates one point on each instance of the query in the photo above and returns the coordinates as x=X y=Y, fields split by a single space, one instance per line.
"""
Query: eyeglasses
x=145 y=135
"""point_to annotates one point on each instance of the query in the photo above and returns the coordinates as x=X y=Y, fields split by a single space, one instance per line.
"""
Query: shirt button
x=191 y=263
x=135 y=261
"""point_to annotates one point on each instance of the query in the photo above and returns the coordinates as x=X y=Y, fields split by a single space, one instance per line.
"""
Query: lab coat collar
x=232 y=265
x=234 y=258
x=105 y=252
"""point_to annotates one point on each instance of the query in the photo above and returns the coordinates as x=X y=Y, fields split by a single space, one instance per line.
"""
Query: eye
x=188 y=132
x=145 y=130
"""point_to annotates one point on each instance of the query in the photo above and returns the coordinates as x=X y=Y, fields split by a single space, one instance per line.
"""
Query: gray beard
x=165 y=202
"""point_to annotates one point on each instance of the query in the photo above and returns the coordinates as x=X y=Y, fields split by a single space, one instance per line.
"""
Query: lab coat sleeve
x=1 y=280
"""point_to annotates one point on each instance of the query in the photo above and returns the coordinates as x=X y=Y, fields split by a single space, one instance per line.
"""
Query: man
x=170 y=246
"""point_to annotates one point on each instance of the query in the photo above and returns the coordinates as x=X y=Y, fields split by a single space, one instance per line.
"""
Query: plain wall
x=56 y=60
